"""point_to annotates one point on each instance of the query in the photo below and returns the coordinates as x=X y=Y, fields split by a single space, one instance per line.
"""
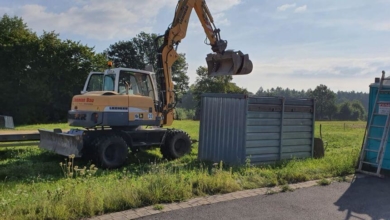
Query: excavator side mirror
x=229 y=63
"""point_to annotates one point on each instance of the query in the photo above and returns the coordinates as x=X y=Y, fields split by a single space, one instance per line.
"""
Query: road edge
x=207 y=200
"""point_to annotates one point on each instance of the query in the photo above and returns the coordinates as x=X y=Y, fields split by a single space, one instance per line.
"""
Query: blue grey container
x=379 y=121
x=237 y=127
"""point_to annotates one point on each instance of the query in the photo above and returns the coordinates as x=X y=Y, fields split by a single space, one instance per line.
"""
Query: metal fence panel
x=298 y=127
x=264 y=113
x=222 y=128
x=234 y=128
x=262 y=129
x=279 y=128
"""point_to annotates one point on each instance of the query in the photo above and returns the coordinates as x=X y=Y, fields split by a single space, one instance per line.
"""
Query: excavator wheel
x=89 y=150
x=177 y=144
x=111 y=151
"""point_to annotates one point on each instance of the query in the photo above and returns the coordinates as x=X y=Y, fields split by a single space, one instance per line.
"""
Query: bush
x=184 y=114
x=351 y=110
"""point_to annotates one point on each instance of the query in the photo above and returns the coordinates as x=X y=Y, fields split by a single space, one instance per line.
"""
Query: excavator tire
x=89 y=150
x=177 y=144
x=111 y=151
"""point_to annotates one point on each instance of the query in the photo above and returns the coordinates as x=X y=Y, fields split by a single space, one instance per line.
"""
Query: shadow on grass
x=142 y=162
x=18 y=164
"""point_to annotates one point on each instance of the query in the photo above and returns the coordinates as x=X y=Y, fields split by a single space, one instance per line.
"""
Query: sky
x=292 y=44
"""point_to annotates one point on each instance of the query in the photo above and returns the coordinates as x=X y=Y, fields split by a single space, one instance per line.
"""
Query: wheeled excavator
x=125 y=108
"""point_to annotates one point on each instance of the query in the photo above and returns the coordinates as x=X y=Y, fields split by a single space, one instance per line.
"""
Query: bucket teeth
x=229 y=63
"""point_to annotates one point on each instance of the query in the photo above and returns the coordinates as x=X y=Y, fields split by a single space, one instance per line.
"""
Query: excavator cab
x=228 y=63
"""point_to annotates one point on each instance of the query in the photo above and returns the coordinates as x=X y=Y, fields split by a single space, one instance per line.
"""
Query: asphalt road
x=364 y=198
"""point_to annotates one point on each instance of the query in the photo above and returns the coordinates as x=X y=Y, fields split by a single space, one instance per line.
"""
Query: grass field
x=33 y=185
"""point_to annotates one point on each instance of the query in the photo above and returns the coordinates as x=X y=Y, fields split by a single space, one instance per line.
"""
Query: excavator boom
x=220 y=63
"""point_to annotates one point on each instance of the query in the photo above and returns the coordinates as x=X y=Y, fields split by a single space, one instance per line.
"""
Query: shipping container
x=237 y=128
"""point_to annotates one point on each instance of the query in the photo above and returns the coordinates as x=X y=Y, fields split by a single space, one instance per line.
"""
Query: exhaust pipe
x=228 y=63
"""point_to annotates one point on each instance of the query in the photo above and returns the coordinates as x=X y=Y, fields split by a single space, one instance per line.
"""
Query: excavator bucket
x=61 y=143
x=228 y=63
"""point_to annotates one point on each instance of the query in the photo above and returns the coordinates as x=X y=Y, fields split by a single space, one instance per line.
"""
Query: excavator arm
x=221 y=62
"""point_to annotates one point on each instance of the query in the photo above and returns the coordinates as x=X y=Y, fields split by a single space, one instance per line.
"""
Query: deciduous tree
x=325 y=101
x=40 y=74
x=140 y=51
x=217 y=84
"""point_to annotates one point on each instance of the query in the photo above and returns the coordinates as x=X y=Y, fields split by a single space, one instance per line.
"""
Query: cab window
x=109 y=82
x=95 y=82
x=135 y=83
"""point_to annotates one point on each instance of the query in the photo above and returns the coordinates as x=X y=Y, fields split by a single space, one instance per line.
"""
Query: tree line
x=41 y=74
x=329 y=104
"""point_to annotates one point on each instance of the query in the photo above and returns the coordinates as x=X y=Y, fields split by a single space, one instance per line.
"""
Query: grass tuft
x=286 y=188
x=270 y=192
x=324 y=182
x=158 y=207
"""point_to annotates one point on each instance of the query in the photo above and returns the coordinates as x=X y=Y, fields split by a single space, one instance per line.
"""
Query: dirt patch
x=18 y=132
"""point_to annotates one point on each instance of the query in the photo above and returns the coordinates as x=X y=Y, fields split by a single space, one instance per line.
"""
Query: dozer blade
x=61 y=143
x=229 y=63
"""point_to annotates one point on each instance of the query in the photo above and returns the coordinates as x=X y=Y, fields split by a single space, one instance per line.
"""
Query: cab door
x=94 y=82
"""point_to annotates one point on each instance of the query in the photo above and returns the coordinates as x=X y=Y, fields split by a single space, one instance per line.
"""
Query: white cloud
x=370 y=24
x=220 y=19
x=288 y=6
x=300 y=9
x=196 y=27
x=106 y=20
x=217 y=11
x=337 y=73
x=97 y=20
x=328 y=66
x=216 y=6
x=285 y=7
x=380 y=26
